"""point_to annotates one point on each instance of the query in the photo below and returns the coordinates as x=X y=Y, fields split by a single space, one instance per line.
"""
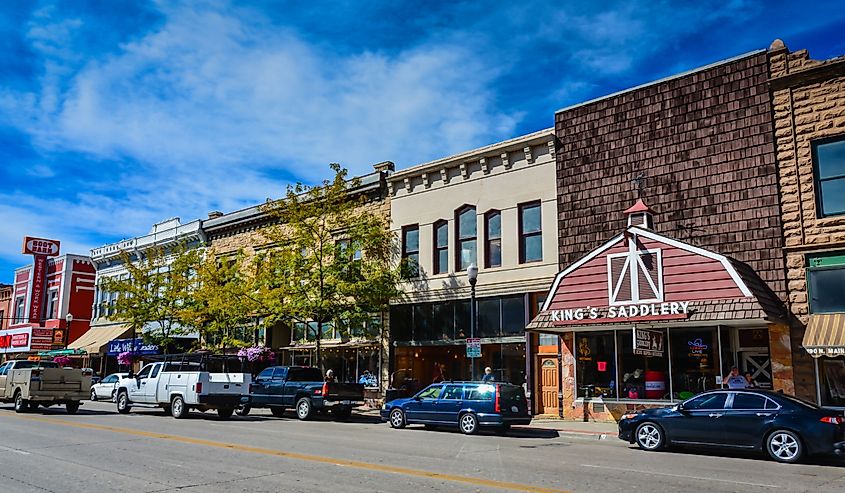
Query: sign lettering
x=648 y=342
x=39 y=275
x=473 y=347
x=665 y=310
x=40 y=246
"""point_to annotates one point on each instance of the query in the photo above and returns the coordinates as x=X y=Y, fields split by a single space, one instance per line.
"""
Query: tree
x=154 y=294
x=221 y=298
x=332 y=258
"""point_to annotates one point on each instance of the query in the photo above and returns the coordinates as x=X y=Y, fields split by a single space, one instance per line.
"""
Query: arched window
x=466 y=234
x=493 y=239
x=441 y=247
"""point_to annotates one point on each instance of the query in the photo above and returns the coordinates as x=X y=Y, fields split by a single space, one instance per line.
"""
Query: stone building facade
x=808 y=99
x=346 y=356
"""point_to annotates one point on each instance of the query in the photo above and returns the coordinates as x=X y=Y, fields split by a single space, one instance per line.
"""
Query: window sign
x=648 y=342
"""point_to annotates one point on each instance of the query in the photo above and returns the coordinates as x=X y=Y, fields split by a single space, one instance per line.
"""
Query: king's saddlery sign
x=643 y=311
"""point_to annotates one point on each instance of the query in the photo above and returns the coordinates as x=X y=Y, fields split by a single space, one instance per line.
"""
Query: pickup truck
x=181 y=383
x=32 y=383
x=301 y=388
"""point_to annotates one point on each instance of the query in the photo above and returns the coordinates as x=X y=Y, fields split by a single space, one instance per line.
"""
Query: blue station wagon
x=467 y=405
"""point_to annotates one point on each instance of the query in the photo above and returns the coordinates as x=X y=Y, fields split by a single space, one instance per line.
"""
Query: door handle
x=763 y=414
x=714 y=415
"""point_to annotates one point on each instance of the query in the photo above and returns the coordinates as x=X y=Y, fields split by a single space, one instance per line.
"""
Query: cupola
x=640 y=215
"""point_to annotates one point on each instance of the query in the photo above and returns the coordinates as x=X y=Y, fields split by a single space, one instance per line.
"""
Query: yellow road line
x=503 y=485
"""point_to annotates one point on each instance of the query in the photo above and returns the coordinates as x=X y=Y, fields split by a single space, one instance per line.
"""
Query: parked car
x=301 y=388
x=32 y=383
x=783 y=426
x=467 y=405
x=183 y=382
x=105 y=388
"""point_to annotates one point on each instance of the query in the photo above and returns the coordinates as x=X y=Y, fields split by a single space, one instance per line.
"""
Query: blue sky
x=116 y=114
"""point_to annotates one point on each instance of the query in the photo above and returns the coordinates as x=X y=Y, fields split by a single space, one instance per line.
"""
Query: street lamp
x=472 y=275
x=68 y=319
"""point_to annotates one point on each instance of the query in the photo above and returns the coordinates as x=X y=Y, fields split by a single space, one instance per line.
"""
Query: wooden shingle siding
x=705 y=143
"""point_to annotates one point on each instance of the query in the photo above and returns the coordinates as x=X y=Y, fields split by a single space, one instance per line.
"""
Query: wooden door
x=548 y=402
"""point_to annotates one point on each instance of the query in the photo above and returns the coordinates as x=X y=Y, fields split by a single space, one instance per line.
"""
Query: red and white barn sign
x=641 y=276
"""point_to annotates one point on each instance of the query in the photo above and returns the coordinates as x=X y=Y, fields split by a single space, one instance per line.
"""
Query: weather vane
x=639 y=184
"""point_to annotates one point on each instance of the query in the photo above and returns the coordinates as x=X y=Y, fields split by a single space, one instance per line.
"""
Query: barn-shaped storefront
x=645 y=320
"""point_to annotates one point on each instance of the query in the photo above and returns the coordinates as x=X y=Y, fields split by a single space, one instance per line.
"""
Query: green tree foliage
x=222 y=298
x=331 y=261
x=152 y=298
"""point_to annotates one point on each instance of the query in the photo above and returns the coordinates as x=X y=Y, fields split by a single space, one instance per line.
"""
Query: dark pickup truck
x=301 y=388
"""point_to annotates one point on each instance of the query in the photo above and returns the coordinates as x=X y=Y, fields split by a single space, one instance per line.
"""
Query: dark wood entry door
x=549 y=377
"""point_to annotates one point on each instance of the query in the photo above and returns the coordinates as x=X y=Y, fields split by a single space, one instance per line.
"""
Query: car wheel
x=468 y=424
x=93 y=395
x=123 y=406
x=225 y=412
x=785 y=446
x=21 y=404
x=304 y=410
x=71 y=407
x=243 y=410
x=649 y=436
x=397 y=418
x=278 y=412
x=177 y=407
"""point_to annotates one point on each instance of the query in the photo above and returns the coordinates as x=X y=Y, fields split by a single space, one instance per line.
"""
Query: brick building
x=5 y=305
x=347 y=355
x=698 y=147
x=809 y=111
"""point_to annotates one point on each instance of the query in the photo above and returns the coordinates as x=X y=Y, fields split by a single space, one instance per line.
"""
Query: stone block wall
x=808 y=99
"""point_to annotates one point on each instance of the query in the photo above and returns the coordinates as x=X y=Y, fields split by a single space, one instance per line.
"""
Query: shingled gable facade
x=646 y=318
x=698 y=147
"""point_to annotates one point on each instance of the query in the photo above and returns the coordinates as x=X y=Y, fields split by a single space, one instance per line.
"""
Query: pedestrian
x=437 y=376
x=330 y=376
x=488 y=375
x=734 y=380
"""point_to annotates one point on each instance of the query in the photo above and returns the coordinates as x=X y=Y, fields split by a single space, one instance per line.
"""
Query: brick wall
x=704 y=141
x=809 y=103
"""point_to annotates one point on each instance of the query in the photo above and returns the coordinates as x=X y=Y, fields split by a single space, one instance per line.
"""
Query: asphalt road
x=98 y=450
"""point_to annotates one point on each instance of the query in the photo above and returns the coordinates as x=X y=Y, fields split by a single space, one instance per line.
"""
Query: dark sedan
x=783 y=426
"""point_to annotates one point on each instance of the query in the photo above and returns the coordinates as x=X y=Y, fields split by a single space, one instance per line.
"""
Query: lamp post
x=472 y=275
x=68 y=319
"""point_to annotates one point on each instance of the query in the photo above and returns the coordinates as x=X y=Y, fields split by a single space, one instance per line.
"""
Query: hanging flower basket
x=256 y=353
x=125 y=358
x=62 y=360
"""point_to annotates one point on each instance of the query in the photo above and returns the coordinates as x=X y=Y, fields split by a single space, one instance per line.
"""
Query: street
x=146 y=451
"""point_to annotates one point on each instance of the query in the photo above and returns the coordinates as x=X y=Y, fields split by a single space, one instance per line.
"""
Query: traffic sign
x=473 y=347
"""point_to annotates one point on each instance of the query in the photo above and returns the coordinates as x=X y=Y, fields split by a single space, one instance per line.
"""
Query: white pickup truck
x=32 y=383
x=179 y=384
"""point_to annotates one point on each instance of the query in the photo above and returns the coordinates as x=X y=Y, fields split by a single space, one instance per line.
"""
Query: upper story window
x=493 y=239
x=466 y=232
x=20 y=305
x=441 y=247
x=411 y=248
x=52 y=311
x=829 y=168
x=530 y=233
x=826 y=283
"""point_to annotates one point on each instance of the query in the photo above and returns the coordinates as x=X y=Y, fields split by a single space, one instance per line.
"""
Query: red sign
x=39 y=271
x=40 y=246
x=14 y=340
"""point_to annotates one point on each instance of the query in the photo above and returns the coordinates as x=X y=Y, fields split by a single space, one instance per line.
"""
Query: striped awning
x=825 y=335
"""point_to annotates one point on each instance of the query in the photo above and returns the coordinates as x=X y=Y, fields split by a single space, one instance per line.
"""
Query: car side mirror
x=417 y=398
x=680 y=408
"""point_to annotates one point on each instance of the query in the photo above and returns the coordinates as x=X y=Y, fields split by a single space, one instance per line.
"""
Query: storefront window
x=695 y=363
x=826 y=287
x=832 y=381
x=513 y=315
x=595 y=364
x=642 y=377
x=489 y=317
x=423 y=321
x=444 y=320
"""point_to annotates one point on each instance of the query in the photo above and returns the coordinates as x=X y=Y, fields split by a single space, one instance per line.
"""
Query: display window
x=659 y=364
x=831 y=381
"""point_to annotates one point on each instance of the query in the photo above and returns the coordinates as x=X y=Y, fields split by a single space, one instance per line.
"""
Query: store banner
x=118 y=346
x=39 y=278
x=16 y=340
x=42 y=339
x=648 y=342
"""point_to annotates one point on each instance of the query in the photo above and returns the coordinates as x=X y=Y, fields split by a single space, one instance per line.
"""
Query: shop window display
x=595 y=363
x=642 y=377
x=695 y=363
x=832 y=381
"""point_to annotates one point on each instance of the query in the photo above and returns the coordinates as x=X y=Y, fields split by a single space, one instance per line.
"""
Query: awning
x=97 y=337
x=825 y=335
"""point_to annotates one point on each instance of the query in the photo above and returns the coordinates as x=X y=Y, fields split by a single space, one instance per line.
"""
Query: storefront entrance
x=549 y=384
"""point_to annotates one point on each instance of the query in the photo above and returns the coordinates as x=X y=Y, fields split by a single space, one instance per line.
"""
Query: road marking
x=684 y=476
x=502 y=485
x=17 y=451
